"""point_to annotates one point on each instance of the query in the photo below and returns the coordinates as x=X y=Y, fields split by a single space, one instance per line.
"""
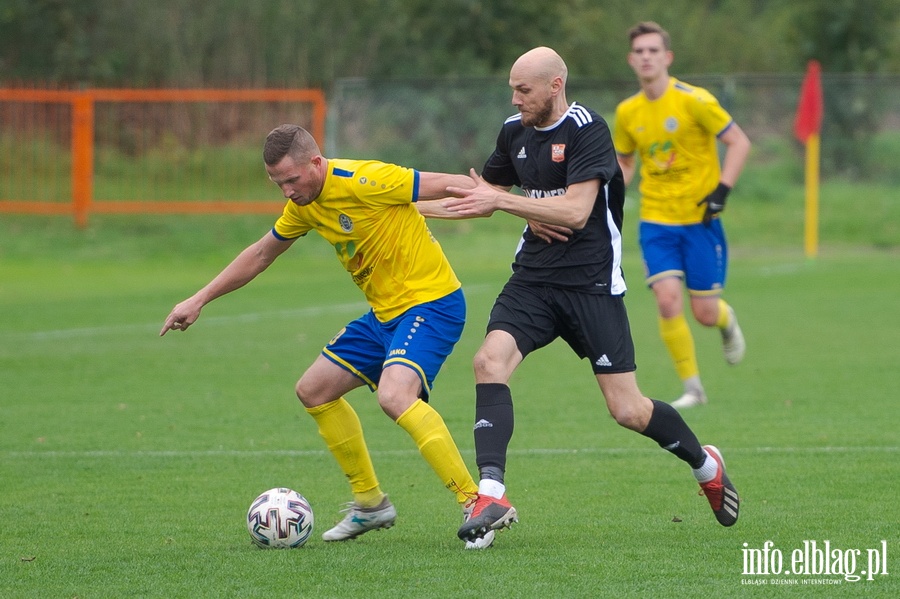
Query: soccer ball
x=280 y=518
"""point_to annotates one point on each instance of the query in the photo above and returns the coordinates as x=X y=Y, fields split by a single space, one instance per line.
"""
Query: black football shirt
x=543 y=162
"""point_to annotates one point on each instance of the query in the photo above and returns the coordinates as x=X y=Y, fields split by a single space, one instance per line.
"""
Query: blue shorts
x=698 y=254
x=421 y=338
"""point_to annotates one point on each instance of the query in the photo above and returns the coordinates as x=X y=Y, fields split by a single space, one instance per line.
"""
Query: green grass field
x=128 y=461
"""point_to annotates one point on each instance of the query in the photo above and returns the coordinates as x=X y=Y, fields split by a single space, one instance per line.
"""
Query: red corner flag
x=811 y=106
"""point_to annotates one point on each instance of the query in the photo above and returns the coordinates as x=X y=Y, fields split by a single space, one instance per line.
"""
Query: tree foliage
x=308 y=43
x=847 y=36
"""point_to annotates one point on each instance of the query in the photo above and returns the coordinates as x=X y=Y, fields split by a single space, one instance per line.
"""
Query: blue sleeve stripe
x=415 y=193
x=725 y=128
x=339 y=172
x=281 y=237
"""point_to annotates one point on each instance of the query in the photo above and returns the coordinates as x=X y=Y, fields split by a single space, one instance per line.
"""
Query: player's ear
x=631 y=58
x=557 y=85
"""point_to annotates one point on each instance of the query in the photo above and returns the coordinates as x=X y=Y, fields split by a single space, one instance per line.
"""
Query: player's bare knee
x=633 y=415
x=669 y=301
x=305 y=394
x=386 y=396
x=486 y=365
x=705 y=310
x=394 y=400
x=628 y=418
x=707 y=318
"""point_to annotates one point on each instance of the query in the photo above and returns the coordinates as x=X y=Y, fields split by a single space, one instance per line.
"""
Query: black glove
x=715 y=202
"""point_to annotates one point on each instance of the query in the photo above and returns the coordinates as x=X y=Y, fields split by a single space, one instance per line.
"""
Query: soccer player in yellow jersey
x=673 y=127
x=367 y=211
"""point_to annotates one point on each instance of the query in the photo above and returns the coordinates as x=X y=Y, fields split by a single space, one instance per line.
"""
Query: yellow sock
x=678 y=339
x=340 y=427
x=433 y=439
x=724 y=315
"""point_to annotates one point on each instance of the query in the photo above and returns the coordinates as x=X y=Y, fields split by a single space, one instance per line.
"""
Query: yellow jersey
x=366 y=212
x=675 y=136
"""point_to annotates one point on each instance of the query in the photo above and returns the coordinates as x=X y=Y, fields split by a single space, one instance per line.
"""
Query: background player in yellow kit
x=674 y=126
x=366 y=210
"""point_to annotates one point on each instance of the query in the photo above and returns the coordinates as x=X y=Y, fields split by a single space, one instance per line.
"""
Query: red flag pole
x=807 y=127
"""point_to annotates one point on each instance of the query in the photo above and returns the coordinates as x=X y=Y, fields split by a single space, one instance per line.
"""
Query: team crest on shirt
x=558 y=152
x=662 y=154
x=345 y=222
x=671 y=124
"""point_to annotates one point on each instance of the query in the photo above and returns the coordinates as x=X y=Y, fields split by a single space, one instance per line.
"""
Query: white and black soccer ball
x=280 y=518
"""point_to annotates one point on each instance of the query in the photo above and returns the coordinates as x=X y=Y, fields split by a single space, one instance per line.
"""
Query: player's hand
x=182 y=316
x=480 y=200
x=549 y=233
x=715 y=202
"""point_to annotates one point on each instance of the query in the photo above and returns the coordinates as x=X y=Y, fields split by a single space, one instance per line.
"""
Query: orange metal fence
x=82 y=106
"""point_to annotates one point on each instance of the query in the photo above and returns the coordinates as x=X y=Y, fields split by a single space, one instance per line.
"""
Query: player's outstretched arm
x=433 y=186
x=571 y=209
x=434 y=209
x=243 y=269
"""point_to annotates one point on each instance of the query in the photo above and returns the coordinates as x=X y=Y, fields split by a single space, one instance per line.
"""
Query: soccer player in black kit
x=567 y=282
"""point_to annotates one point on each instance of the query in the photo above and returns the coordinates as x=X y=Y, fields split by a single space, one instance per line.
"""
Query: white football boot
x=360 y=520
x=733 y=340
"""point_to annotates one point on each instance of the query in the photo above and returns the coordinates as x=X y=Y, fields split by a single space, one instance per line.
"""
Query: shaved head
x=538 y=81
x=541 y=64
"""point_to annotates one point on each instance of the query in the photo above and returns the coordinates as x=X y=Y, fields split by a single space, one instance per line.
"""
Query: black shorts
x=594 y=325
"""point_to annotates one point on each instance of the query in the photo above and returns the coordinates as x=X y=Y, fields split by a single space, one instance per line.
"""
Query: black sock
x=493 y=428
x=669 y=429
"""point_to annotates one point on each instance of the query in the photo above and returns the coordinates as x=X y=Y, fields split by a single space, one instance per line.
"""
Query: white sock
x=491 y=488
x=708 y=470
